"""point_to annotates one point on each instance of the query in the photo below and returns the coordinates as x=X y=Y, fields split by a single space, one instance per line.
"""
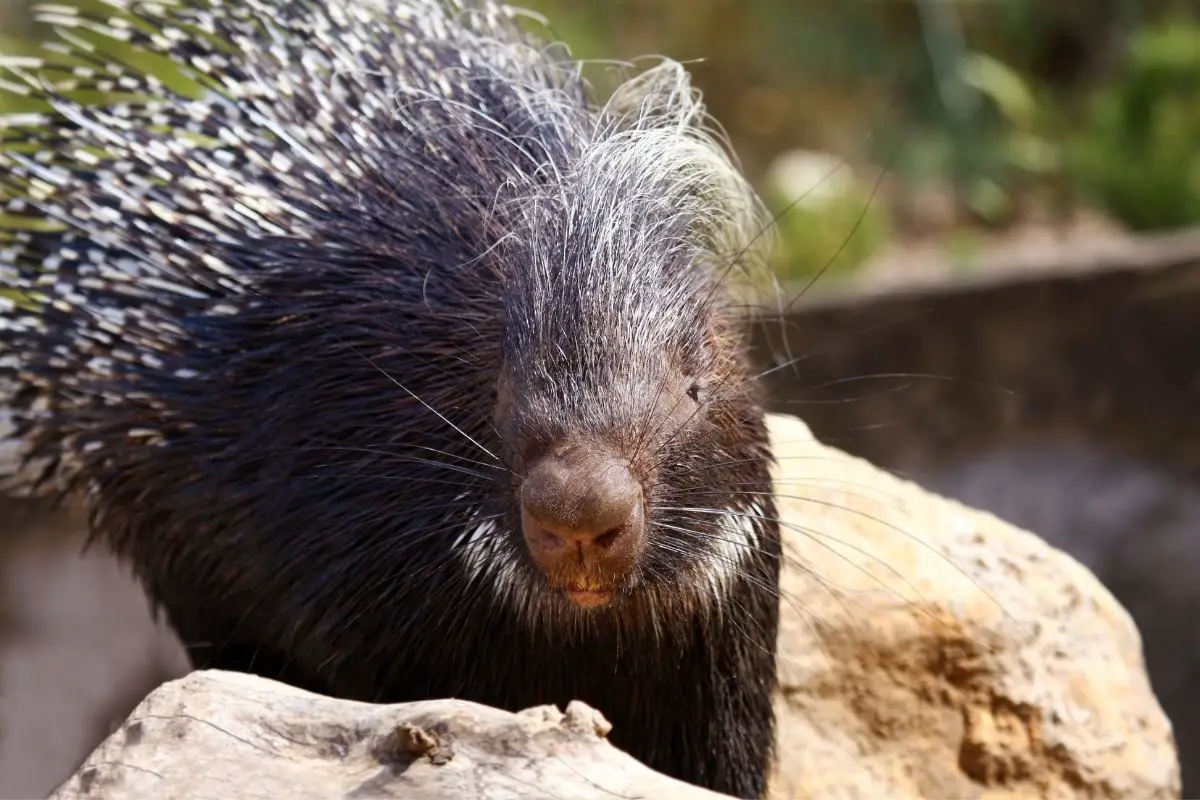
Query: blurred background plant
x=884 y=126
x=1138 y=153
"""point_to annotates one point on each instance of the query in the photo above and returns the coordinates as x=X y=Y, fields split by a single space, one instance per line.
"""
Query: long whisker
x=437 y=413
x=379 y=451
x=783 y=445
x=812 y=532
x=802 y=611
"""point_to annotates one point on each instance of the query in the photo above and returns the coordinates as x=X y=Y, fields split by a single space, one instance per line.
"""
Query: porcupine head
x=392 y=296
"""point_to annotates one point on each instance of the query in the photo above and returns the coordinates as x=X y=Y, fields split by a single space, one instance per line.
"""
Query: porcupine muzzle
x=583 y=519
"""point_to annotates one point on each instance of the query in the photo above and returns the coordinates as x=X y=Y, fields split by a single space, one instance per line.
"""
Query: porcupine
x=398 y=366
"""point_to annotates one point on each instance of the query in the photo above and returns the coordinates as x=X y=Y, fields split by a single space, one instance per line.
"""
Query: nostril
x=608 y=539
x=584 y=496
x=546 y=540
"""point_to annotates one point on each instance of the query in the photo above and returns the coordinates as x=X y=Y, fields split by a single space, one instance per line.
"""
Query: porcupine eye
x=694 y=392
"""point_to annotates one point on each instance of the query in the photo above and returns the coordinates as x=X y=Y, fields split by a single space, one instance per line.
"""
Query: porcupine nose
x=582 y=517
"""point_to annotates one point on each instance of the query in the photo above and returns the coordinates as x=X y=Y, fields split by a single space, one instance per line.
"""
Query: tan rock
x=227 y=736
x=930 y=650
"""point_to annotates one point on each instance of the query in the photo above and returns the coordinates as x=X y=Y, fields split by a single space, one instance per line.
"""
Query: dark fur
x=295 y=510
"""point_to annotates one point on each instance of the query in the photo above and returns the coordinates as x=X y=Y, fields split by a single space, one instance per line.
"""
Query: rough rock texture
x=928 y=650
x=218 y=735
x=1133 y=523
x=931 y=650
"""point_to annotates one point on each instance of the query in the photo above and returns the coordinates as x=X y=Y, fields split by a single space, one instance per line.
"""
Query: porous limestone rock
x=930 y=650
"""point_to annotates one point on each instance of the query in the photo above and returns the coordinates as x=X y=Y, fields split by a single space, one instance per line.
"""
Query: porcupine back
x=274 y=330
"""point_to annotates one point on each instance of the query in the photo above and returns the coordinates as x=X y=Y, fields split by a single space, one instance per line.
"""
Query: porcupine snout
x=583 y=519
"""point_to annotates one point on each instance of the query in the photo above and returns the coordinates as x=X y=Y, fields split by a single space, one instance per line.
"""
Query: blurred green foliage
x=1138 y=153
x=1131 y=148
x=827 y=223
x=1022 y=155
